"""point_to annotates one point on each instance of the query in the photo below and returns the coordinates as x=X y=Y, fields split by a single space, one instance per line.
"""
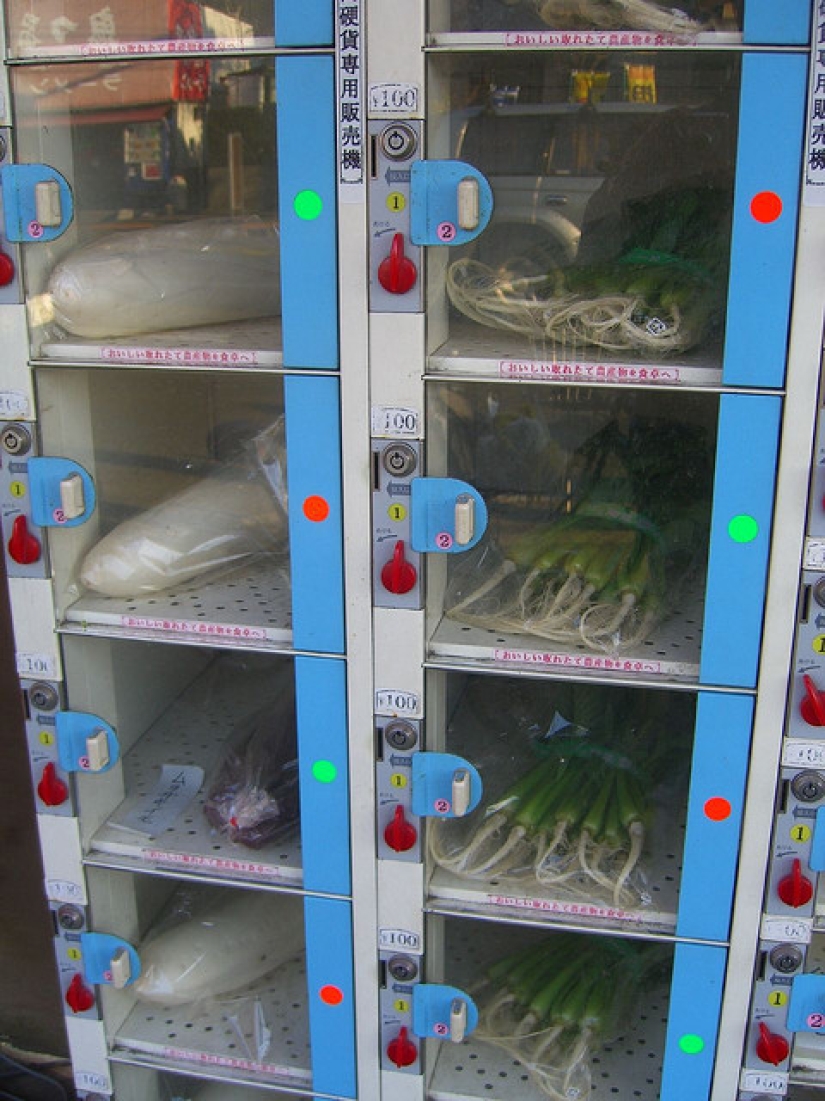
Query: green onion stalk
x=550 y=1005
x=607 y=571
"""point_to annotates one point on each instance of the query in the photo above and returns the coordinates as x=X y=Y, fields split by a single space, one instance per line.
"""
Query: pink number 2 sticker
x=815 y=1020
x=443 y=540
x=445 y=231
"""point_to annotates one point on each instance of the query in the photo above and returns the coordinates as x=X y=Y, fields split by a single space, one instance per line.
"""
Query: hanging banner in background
x=190 y=83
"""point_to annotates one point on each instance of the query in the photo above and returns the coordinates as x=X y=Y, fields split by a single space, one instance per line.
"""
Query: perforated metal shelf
x=241 y=345
x=248 y=608
x=628 y=1067
x=474 y=350
x=193 y=731
x=230 y=1036
x=672 y=652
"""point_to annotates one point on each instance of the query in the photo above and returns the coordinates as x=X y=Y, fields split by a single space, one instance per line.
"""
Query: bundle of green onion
x=604 y=570
x=550 y=1005
x=576 y=819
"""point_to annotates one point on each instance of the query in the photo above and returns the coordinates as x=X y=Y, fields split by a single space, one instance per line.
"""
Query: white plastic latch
x=72 y=498
x=121 y=968
x=465 y=519
x=458 y=1020
x=47 y=206
x=469 y=203
x=461 y=792
x=97 y=750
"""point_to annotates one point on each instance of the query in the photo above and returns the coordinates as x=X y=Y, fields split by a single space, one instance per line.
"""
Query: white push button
x=468 y=203
x=465 y=519
x=97 y=750
x=458 y=1020
x=72 y=498
x=47 y=206
x=121 y=967
x=461 y=792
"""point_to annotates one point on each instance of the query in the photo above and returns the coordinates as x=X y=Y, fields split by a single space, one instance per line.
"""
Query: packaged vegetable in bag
x=253 y=796
x=220 y=946
x=201 y=272
x=238 y=511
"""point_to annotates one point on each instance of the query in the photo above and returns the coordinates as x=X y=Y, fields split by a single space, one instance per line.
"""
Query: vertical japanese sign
x=350 y=95
x=814 y=190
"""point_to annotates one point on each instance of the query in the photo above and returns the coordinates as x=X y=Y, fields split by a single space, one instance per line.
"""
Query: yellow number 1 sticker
x=800 y=834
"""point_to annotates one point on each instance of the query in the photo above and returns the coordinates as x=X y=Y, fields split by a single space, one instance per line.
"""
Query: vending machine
x=172 y=524
x=596 y=316
x=408 y=426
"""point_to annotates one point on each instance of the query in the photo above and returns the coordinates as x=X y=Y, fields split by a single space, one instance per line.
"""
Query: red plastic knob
x=398 y=575
x=6 y=269
x=402 y=1051
x=23 y=546
x=52 y=790
x=812 y=707
x=79 y=997
x=771 y=1047
x=400 y=834
x=396 y=272
x=795 y=889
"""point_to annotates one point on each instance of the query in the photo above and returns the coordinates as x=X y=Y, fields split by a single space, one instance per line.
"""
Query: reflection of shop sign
x=191 y=80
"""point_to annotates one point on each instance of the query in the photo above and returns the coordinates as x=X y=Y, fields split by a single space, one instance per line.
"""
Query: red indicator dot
x=717 y=809
x=316 y=509
x=766 y=206
x=331 y=995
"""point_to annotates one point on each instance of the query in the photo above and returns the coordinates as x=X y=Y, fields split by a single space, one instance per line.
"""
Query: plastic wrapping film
x=210 y=945
x=595 y=529
x=573 y=775
x=219 y=521
x=252 y=797
x=552 y=1005
x=201 y=272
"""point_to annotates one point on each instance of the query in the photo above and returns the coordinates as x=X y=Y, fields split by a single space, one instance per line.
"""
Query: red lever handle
x=771 y=1047
x=79 y=997
x=23 y=546
x=795 y=889
x=400 y=834
x=53 y=792
x=402 y=1051
x=398 y=575
x=396 y=272
x=812 y=707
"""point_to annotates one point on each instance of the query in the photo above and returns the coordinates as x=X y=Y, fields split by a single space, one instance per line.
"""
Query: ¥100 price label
x=803 y=753
x=390 y=701
x=395 y=421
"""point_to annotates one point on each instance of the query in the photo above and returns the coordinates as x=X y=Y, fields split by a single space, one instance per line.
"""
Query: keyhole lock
x=403 y=968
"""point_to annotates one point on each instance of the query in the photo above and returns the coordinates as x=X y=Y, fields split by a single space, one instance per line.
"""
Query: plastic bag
x=214 y=944
x=224 y=518
x=201 y=272
x=253 y=796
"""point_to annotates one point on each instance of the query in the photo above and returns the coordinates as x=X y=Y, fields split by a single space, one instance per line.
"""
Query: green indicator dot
x=324 y=772
x=308 y=205
x=691 y=1044
x=743 y=529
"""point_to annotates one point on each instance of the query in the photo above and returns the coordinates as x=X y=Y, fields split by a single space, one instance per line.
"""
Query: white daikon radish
x=224 y=947
x=201 y=272
x=217 y=522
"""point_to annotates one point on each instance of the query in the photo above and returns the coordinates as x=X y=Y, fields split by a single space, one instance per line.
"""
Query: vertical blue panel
x=769 y=159
x=329 y=964
x=770 y=24
x=693 y=1022
x=313 y=442
x=306 y=167
x=303 y=22
x=719 y=768
x=743 y=488
x=320 y=689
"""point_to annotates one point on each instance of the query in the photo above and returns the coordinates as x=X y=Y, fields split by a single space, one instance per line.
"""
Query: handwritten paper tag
x=161 y=807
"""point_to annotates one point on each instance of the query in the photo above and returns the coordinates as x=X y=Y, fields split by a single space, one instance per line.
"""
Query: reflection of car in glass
x=542 y=162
